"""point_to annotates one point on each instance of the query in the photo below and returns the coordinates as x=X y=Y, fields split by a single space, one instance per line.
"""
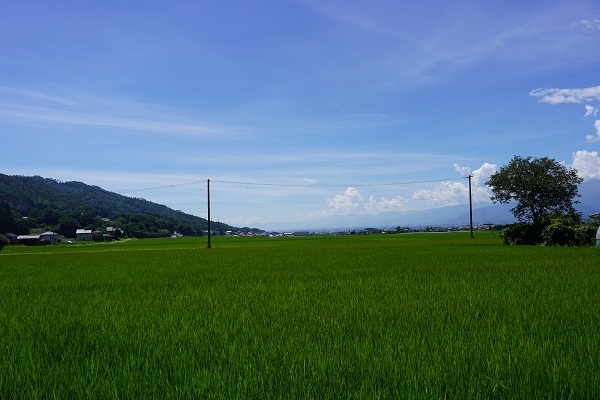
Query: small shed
x=51 y=237
x=84 y=235
x=31 y=240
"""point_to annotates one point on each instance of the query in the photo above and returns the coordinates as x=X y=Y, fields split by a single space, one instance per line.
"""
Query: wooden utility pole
x=208 y=195
x=470 y=207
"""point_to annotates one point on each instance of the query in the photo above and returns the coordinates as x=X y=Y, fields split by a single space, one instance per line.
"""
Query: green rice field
x=422 y=316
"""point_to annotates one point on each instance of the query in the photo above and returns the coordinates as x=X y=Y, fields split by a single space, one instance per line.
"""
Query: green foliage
x=521 y=233
x=9 y=221
x=556 y=230
x=54 y=205
x=67 y=226
x=7 y=217
x=3 y=241
x=563 y=230
x=375 y=316
x=540 y=186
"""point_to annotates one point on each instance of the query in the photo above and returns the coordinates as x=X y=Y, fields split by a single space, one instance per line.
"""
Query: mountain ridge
x=47 y=199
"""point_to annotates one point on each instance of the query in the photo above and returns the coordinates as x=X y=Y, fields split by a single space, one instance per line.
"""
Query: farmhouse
x=34 y=240
x=51 y=237
x=84 y=235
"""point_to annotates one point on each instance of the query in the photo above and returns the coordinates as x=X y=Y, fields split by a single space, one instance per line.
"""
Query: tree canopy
x=63 y=207
x=540 y=186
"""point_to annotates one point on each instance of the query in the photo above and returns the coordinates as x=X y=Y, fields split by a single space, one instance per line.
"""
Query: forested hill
x=49 y=203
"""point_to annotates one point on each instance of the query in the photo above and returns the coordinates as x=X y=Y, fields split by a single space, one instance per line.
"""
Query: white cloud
x=374 y=206
x=561 y=96
x=576 y=96
x=352 y=202
x=40 y=114
x=589 y=111
x=72 y=108
x=447 y=193
x=348 y=203
x=587 y=164
x=590 y=25
x=482 y=175
x=595 y=137
x=462 y=170
x=450 y=193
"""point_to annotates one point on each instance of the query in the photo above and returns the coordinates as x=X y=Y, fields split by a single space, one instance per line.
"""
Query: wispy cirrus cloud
x=460 y=35
x=589 y=25
x=24 y=106
x=564 y=96
x=32 y=114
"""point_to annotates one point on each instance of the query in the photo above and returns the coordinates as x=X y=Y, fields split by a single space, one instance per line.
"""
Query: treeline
x=66 y=223
x=36 y=203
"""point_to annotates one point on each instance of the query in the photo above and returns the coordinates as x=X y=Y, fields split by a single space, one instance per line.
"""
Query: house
x=84 y=235
x=11 y=237
x=51 y=237
x=111 y=233
x=31 y=240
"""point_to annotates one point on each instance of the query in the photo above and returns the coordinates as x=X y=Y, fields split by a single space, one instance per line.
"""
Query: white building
x=84 y=235
x=51 y=237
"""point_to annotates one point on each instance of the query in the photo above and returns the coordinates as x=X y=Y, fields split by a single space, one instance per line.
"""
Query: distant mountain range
x=483 y=213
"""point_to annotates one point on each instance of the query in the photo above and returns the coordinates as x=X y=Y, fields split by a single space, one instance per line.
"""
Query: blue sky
x=296 y=110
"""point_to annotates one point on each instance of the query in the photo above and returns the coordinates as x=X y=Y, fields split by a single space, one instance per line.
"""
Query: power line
x=151 y=188
x=161 y=187
x=335 y=185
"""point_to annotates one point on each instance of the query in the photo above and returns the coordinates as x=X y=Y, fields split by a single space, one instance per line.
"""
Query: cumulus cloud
x=352 y=202
x=587 y=164
x=462 y=170
x=348 y=203
x=450 y=193
x=589 y=111
x=447 y=193
x=595 y=137
x=374 y=206
x=561 y=96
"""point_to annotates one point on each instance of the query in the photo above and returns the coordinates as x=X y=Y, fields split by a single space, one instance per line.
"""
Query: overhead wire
x=142 y=189
x=245 y=183
x=333 y=185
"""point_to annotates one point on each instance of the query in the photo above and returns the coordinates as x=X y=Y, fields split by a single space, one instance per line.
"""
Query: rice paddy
x=378 y=316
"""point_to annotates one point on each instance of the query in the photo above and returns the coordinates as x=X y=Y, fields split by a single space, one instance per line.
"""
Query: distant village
x=111 y=233
x=82 y=235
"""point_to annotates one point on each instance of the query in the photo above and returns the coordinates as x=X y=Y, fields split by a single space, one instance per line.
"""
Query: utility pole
x=208 y=194
x=470 y=206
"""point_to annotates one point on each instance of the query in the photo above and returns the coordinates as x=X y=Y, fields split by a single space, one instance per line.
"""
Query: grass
x=398 y=316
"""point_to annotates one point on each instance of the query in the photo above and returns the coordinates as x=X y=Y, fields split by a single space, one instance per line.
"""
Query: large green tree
x=540 y=186
x=3 y=242
x=7 y=217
